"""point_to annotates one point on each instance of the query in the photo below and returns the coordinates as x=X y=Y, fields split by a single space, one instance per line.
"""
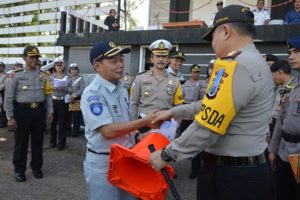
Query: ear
x=227 y=31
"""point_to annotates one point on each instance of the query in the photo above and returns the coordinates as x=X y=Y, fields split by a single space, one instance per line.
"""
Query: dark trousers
x=286 y=185
x=3 y=119
x=29 y=122
x=74 y=118
x=234 y=183
x=60 y=119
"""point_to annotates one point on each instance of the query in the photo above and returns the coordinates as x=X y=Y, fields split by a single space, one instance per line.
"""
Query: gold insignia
x=146 y=94
x=33 y=105
x=126 y=78
x=180 y=54
x=24 y=87
x=34 y=50
x=112 y=44
x=161 y=45
x=170 y=82
x=245 y=9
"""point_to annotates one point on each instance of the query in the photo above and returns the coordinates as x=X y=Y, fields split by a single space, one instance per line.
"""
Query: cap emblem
x=161 y=45
x=112 y=44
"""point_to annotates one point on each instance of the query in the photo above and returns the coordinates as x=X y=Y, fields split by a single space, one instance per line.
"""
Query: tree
x=132 y=5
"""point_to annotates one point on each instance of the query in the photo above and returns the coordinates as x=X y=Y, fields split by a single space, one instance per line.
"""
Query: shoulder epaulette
x=17 y=70
x=231 y=55
x=142 y=72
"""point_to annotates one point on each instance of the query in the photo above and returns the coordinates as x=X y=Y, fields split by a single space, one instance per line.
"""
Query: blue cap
x=106 y=50
x=294 y=42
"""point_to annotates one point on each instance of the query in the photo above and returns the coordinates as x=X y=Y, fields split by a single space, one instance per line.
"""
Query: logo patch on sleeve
x=96 y=108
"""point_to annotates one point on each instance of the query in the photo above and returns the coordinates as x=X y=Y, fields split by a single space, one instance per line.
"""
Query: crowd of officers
x=227 y=120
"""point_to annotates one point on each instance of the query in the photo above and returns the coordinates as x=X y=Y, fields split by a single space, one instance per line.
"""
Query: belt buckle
x=33 y=105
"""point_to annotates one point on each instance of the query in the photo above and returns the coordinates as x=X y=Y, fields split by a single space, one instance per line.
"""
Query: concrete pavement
x=63 y=173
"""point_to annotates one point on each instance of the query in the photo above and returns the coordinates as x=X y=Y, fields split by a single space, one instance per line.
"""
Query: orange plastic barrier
x=129 y=169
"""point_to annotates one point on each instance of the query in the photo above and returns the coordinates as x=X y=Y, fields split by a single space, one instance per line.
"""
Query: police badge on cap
x=160 y=47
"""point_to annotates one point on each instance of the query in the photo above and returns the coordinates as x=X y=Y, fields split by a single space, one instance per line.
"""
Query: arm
x=118 y=129
x=3 y=83
x=10 y=96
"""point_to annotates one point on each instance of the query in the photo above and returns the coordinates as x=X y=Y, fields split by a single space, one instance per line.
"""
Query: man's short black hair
x=282 y=65
x=246 y=29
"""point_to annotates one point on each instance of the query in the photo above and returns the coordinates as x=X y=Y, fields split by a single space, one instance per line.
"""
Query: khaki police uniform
x=149 y=93
x=286 y=136
x=27 y=97
x=128 y=80
x=243 y=139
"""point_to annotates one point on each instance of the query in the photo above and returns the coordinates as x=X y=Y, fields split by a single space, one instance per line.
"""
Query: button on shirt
x=260 y=16
x=103 y=103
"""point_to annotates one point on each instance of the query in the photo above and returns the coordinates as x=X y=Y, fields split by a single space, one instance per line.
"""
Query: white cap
x=58 y=60
x=160 y=47
x=73 y=65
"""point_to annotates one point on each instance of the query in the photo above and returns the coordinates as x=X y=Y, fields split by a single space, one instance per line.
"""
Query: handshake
x=156 y=118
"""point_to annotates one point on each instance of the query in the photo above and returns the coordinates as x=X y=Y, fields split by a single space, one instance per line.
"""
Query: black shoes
x=20 y=177
x=37 y=174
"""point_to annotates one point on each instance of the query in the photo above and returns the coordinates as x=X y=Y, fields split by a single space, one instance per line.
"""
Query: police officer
x=261 y=14
x=286 y=135
x=27 y=96
x=176 y=61
x=201 y=88
x=74 y=93
x=128 y=80
x=232 y=122
x=155 y=88
x=105 y=109
x=60 y=107
x=3 y=78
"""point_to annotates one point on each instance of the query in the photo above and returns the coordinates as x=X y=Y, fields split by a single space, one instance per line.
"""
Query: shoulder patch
x=93 y=98
x=96 y=108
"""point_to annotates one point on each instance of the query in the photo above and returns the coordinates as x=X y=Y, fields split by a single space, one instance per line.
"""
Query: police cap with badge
x=178 y=54
x=195 y=68
x=294 y=43
x=230 y=14
x=31 y=51
x=105 y=50
x=160 y=47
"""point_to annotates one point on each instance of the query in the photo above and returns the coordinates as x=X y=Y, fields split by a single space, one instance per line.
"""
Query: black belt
x=32 y=105
x=99 y=153
x=249 y=161
x=290 y=138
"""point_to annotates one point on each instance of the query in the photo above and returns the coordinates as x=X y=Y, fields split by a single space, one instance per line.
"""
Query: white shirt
x=260 y=16
x=212 y=19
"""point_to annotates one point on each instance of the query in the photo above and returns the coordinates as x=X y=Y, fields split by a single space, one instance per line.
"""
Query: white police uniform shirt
x=260 y=16
x=103 y=103
x=179 y=75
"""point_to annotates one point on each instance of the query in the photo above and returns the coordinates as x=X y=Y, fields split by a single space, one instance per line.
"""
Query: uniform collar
x=153 y=73
x=169 y=69
x=110 y=87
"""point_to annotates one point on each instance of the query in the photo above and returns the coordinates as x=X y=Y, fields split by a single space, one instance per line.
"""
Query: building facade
x=37 y=22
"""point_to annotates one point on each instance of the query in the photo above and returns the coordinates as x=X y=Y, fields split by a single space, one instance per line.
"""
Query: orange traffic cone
x=129 y=169
x=295 y=164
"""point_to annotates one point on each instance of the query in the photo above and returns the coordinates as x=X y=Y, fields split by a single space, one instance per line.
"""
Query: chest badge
x=24 y=88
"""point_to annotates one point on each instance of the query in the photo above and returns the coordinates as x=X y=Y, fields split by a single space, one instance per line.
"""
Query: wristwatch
x=165 y=156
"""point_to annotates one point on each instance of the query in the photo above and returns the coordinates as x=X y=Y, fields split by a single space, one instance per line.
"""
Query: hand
x=162 y=116
x=156 y=161
x=12 y=123
x=150 y=117
x=272 y=158
x=50 y=117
